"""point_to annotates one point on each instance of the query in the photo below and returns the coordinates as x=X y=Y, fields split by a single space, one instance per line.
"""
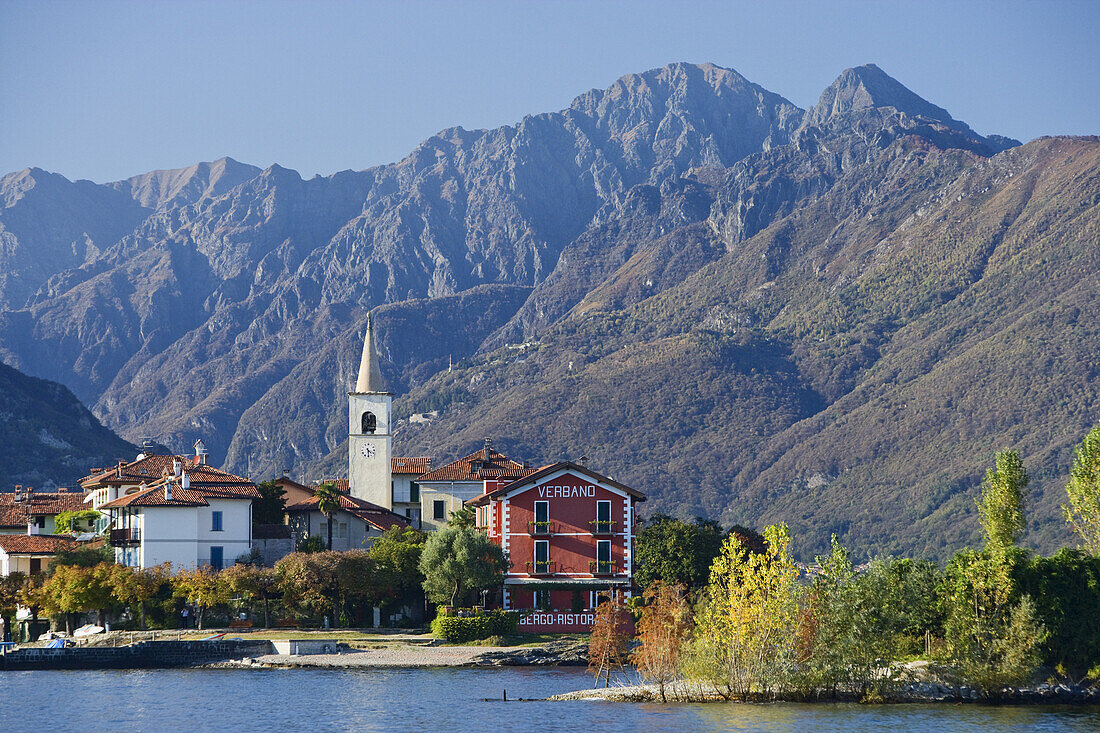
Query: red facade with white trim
x=569 y=534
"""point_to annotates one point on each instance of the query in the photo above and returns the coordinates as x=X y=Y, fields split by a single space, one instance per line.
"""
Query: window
x=542 y=557
x=36 y=565
x=370 y=423
x=603 y=558
x=342 y=530
x=439 y=509
x=216 y=521
x=603 y=523
x=541 y=525
x=40 y=522
x=542 y=600
x=217 y=555
x=414 y=492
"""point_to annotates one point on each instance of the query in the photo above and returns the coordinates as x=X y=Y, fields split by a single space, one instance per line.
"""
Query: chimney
x=185 y=483
x=176 y=468
x=167 y=490
x=18 y=498
x=488 y=448
x=200 y=452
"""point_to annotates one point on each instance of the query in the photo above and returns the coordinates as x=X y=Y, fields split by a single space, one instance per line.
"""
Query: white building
x=30 y=554
x=193 y=515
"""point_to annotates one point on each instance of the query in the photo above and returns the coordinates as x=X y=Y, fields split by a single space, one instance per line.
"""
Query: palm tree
x=328 y=503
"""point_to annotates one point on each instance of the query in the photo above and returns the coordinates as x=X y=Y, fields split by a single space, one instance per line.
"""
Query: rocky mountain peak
x=161 y=189
x=869 y=86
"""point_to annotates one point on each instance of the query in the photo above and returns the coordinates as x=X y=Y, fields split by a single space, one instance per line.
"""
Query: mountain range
x=831 y=317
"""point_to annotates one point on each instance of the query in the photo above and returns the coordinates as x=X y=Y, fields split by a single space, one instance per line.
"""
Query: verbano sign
x=566 y=491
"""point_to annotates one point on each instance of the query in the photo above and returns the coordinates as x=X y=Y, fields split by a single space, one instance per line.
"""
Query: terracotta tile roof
x=536 y=474
x=417 y=465
x=342 y=484
x=152 y=468
x=16 y=514
x=206 y=482
x=498 y=466
x=34 y=544
x=372 y=514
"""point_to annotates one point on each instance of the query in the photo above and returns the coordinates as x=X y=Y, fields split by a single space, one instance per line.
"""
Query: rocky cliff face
x=676 y=276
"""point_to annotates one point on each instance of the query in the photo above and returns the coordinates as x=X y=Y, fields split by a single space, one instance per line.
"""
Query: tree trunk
x=141 y=612
x=454 y=596
x=267 y=621
x=69 y=624
x=198 y=617
x=330 y=534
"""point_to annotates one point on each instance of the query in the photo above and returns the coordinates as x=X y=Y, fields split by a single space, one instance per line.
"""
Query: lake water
x=441 y=699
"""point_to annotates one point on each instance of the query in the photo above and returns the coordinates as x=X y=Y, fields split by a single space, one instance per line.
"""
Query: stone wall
x=143 y=655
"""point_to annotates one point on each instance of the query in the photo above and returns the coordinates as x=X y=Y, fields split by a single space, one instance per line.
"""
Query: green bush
x=460 y=629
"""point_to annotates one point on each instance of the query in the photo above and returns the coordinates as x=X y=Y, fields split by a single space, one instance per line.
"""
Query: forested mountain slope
x=49 y=439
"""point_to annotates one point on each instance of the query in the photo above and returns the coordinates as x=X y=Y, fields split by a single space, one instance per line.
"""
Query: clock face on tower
x=368 y=450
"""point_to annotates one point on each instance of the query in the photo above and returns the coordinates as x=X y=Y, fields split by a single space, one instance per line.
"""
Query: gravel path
x=390 y=656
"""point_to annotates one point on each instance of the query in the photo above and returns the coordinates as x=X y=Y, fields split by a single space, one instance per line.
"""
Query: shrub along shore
x=996 y=624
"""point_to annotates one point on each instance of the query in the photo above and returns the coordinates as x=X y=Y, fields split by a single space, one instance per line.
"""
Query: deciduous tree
x=609 y=640
x=457 y=560
x=203 y=588
x=396 y=556
x=255 y=583
x=663 y=629
x=136 y=586
x=992 y=641
x=746 y=626
x=1083 y=490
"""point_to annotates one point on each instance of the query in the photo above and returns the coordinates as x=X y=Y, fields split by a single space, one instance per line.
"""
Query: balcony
x=540 y=528
x=603 y=567
x=125 y=537
x=602 y=526
x=541 y=568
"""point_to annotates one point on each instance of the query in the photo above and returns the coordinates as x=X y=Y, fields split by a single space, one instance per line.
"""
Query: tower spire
x=370 y=376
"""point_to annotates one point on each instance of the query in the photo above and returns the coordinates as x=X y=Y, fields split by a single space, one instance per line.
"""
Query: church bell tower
x=370 y=439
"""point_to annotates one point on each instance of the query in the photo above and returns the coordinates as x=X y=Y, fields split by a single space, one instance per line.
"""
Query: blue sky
x=105 y=90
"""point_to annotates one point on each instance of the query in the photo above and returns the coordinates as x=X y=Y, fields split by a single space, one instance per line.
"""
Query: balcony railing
x=602 y=526
x=124 y=537
x=483 y=528
x=548 y=567
x=603 y=567
x=540 y=528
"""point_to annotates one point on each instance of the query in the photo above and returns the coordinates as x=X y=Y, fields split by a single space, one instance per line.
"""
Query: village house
x=569 y=533
x=30 y=554
x=191 y=515
x=354 y=526
x=30 y=512
x=447 y=488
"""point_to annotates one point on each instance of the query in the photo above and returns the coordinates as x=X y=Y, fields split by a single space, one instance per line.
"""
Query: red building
x=569 y=533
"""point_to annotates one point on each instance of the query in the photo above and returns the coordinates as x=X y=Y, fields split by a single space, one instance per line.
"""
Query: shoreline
x=404 y=656
x=907 y=694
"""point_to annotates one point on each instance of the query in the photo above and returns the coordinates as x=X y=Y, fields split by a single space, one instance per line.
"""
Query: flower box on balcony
x=540 y=528
x=541 y=568
x=602 y=526
x=603 y=567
